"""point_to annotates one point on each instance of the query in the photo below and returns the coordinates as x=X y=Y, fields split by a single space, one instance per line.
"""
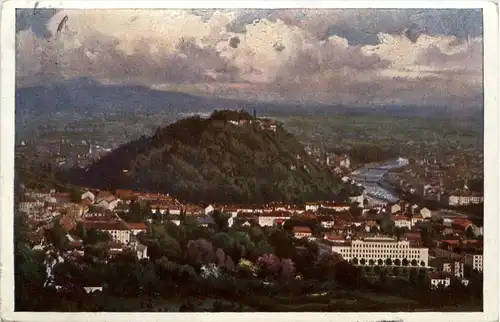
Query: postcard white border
x=491 y=157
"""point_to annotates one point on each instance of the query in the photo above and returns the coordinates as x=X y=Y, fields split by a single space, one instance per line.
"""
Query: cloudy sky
x=328 y=56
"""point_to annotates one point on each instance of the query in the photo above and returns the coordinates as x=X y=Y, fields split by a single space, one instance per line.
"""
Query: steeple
x=254 y=113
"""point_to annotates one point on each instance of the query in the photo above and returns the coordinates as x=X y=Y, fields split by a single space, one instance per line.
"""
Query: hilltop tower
x=254 y=113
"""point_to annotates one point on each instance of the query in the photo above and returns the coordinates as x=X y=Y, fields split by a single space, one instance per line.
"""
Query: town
x=399 y=235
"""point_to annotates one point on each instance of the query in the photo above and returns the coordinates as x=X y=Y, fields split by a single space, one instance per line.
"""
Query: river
x=370 y=176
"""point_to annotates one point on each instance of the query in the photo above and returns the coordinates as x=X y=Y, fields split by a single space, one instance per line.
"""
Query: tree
x=405 y=262
x=287 y=268
x=200 y=252
x=374 y=230
x=380 y=262
x=414 y=262
x=347 y=274
x=469 y=233
x=371 y=262
x=75 y=195
x=422 y=263
x=221 y=220
x=355 y=261
x=388 y=262
x=269 y=264
x=57 y=236
x=397 y=262
x=363 y=261
x=383 y=277
x=93 y=236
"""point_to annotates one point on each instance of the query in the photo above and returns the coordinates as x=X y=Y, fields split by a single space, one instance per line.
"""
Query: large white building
x=376 y=250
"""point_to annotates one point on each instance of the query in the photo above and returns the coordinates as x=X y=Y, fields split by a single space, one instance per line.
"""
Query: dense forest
x=212 y=160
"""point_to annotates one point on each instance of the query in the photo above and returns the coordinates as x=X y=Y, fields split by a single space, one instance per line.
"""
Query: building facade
x=378 y=251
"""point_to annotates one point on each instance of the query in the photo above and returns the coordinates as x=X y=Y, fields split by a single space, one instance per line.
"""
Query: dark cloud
x=234 y=42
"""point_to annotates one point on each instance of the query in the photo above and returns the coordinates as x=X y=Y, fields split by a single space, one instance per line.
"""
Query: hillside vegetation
x=214 y=160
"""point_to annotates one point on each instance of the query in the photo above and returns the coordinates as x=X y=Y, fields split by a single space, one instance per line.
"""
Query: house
x=175 y=219
x=334 y=238
x=416 y=218
x=209 y=209
x=395 y=208
x=414 y=209
x=336 y=206
x=463 y=198
x=137 y=228
x=108 y=202
x=205 y=221
x=326 y=221
x=141 y=251
x=425 y=212
x=272 y=218
x=87 y=202
x=302 y=231
x=357 y=199
x=191 y=210
x=461 y=224
x=88 y=195
x=438 y=280
x=402 y=221
x=92 y=289
x=312 y=206
x=118 y=230
x=474 y=260
x=414 y=237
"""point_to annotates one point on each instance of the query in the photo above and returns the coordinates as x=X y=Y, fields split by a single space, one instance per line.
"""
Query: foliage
x=196 y=159
x=200 y=252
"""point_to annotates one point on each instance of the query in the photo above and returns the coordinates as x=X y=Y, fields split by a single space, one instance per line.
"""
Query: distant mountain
x=85 y=98
x=214 y=160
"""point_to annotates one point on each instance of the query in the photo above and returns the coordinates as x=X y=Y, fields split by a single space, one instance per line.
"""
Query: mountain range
x=85 y=98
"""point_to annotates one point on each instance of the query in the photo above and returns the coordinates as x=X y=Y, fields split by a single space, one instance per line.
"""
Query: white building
x=377 y=249
x=415 y=219
x=88 y=194
x=108 y=203
x=475 y=261
x=425 y=212
x=402 y=221
x=464 y=199
x=270 y=219
x=209 y=209
x=117 y=229
x=440 y=282
x=312 y=206
x=395 y=208
x=455 y=268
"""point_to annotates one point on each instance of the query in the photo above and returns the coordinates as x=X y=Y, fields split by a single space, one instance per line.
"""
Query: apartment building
x=377 y=250
x=474 y=260
x=118 y=230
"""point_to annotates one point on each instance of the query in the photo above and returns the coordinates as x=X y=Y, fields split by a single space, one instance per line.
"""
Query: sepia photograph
x=281 y=158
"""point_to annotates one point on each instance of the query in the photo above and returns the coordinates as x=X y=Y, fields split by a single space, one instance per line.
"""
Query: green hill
x=214 y=160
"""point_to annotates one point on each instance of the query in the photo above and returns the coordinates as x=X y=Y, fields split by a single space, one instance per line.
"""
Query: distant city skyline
x=328 y=56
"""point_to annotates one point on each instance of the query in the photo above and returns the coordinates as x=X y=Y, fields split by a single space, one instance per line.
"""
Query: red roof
x=462 y=222
x=334 y=237
x=139 y=225
x=451 y=242
x=302 y=229
x=104 y=225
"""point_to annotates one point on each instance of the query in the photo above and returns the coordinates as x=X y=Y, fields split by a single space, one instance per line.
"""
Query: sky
x=431 y=57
